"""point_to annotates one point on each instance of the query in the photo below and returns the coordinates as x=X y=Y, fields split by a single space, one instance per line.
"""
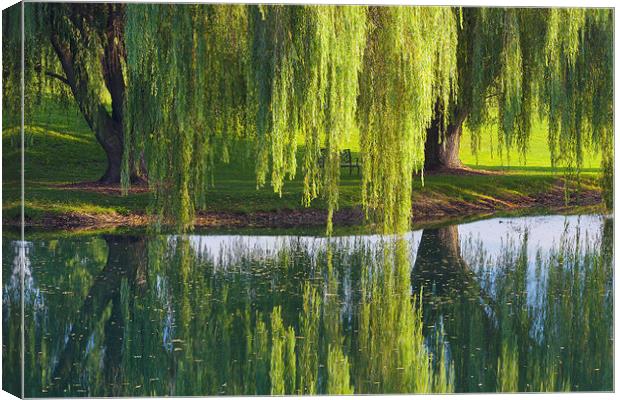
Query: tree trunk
x=113 y=52
x=110 y=137
x=441 y=151
x=444 y=155
x=112 y=144
x=108 y=127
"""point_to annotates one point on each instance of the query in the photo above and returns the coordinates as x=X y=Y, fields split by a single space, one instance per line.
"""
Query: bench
x=346 y=160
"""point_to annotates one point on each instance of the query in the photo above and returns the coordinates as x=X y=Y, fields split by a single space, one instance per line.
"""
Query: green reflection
x=156 y=315
x=519 y=321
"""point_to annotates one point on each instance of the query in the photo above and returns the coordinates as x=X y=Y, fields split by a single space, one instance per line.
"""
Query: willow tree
x=409 y=73
x=406 y=77
x=74 y=51
x=522 y=64
x=186 y=89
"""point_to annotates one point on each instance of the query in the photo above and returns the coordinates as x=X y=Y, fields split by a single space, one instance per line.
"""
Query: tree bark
x=112 y=143
x=441 y=151
x=108 y=127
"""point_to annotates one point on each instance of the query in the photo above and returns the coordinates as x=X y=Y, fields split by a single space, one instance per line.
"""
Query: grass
x=61 y=149
x=537 y=158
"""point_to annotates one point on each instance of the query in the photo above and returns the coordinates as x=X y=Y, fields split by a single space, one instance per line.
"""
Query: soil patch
x=104 y=188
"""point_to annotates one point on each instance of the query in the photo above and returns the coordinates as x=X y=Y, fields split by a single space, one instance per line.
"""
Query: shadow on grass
x=526 y=168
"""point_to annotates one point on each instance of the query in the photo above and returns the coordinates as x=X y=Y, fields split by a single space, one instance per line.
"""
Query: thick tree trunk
x=113 y=172
x=112 y=144
x=444 y=155
x=111 y=138
x=442 y=151
x=108 y=127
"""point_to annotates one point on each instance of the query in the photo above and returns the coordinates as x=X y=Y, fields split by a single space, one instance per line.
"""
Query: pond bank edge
x=426 y=210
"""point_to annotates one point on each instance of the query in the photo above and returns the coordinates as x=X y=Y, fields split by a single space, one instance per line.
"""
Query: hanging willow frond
x=553 y=64
x=409 y=68
x=306 y=62
x=186 y=87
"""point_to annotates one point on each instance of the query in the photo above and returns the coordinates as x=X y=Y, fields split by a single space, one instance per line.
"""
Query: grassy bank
x=61 y=152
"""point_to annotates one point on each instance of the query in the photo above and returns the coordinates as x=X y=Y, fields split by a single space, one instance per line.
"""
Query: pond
x=505 y=304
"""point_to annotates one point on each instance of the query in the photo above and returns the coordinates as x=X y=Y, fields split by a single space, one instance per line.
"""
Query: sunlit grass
x=537 y=158
x=61 y=149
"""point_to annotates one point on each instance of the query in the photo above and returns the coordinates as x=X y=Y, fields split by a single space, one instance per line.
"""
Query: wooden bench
x=346 y=160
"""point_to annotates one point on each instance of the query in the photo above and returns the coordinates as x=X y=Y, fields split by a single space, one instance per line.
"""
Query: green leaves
x=200 y=76
x=409 y=72
x=305 y=66
x=186 y=90
x=551 y=64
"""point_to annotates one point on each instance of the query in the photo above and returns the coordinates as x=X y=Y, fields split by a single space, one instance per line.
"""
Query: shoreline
x=426 y=210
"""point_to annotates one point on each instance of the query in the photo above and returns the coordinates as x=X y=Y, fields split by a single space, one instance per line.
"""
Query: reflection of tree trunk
x=452 y=290
x=126 y=257
x=439 y=257
x=439 y=264
x=113 y=341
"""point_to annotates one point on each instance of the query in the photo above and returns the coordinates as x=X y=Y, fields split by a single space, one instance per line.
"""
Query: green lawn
x=61 y=149
x=537 y=158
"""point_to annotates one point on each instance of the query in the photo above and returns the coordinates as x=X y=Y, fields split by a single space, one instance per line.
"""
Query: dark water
x=523 y=304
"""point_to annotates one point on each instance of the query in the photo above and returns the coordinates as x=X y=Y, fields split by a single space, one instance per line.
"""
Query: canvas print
x=232 y=199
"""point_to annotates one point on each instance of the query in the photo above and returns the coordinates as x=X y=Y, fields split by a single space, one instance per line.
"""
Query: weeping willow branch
x=554 y=65
x=306 y=62
x=186 y=88
x=201 y=75
x=409 y=69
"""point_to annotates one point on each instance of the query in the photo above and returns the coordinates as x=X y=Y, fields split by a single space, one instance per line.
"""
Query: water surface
x=510 y=304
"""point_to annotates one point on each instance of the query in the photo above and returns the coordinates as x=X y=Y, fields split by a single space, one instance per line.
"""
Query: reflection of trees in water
x=126 y=261
x=454 y=305
x=47 y=287
x=392 y=356
x=517 y=322
x=159 y=318
x=156 y=319
x=11 y=316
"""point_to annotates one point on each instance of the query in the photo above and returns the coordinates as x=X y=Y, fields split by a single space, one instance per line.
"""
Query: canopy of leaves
x=409 y=69
x=322 y=72
x=186 y=90
x=11 y=66
x=201 y=76
x=542 y=63
x=305 y=67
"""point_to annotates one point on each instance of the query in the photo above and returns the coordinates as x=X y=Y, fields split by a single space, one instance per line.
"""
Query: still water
x=510 y=304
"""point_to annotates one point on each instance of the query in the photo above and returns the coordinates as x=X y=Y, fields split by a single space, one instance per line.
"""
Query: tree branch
x=58 y=76
x=51 y=74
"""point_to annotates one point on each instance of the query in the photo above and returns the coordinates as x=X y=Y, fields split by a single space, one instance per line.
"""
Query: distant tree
x=525 y=64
